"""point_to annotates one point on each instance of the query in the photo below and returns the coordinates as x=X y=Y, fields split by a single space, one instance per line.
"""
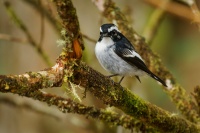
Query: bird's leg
x=138 y=78
x=117 y=75
x=120 y=83
x=121 y=80
x=112 y=75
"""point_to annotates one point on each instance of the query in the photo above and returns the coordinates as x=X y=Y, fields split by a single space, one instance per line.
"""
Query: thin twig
x=196 y=13
x=12 y=38
x=42 y=26
x=154 y=22
x=41 y=9
x=28 y=106
x=174 y=8
x=89 y=38
x=22 y=26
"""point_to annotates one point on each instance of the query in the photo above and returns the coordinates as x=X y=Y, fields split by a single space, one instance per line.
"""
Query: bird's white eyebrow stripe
x=113 y=28
x=101 y=30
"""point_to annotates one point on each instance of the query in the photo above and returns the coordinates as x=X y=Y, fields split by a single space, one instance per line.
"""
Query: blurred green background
x=177 y=42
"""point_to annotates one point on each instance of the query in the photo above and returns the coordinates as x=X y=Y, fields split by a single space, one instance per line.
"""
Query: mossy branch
x=196 y=95
x=114 y=95
x=103 y=88
x=63 y=104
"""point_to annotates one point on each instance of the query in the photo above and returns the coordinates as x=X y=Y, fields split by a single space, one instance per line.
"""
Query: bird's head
x=110 y=30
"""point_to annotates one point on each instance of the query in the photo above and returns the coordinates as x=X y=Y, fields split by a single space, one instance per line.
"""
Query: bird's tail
x=158 y=79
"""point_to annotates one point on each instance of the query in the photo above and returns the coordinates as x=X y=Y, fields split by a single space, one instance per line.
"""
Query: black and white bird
x=118 y=56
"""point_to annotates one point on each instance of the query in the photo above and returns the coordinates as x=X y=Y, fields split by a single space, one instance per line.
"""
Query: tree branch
x=154 y=22
x=41 y=9
x=13 y=102
x=192 y=14
x=12 y=38
x=173 y=8
x=114 y=95
x=69 y=106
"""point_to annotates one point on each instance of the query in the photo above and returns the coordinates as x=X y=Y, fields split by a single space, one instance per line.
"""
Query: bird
x=118 y=56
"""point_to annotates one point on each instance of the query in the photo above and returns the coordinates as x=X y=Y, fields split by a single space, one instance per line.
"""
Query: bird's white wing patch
x=137 y=55
x=131 y=53
x=127 y=53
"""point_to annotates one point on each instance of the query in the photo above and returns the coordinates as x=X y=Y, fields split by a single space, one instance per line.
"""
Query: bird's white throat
x=106 y=41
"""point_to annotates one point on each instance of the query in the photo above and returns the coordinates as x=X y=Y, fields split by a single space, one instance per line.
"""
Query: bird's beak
x=105 y=35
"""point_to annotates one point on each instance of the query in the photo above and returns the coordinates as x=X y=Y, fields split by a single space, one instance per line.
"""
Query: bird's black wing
x=130 y=56
x=124 y=42
x=123 y=50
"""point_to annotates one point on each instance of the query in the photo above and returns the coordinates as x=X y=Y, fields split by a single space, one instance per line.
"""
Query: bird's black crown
x=105 y=27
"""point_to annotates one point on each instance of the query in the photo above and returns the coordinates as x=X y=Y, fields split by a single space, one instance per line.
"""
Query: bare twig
x=173 y=8
x=22 y=26
x=180 y=10
x=12 y=38
x=154 y=22
x=196 y=13
x=42 y=26
x=89 y=38
x=41 y=9
x=194 y=9
x=29 y=106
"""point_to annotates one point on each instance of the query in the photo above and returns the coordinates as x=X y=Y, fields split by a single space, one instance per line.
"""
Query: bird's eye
x=114 y=32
